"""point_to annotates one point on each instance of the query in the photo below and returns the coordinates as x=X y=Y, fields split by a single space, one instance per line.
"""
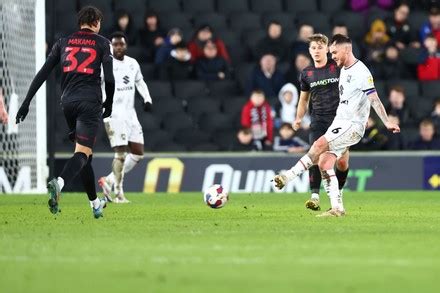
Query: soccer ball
x=215 y=196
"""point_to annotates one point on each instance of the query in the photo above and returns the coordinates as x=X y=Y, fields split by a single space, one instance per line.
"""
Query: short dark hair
x=258 y=92
x=437 y=102
x=426 y=122
x=118 y=35
x=181 y=45
x=340 y=39
x=245 y=130
x=275 y=22
x=286 y=125
x=89 y=15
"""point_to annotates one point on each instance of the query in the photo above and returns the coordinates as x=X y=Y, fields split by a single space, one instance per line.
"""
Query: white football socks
x=131 y=160
x=95 y=203
x=302 y=165
x=60 y=182
x=315 y=196
x=332 y=189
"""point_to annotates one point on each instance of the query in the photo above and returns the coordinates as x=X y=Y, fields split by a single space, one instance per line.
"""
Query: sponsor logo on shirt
x=324 y=82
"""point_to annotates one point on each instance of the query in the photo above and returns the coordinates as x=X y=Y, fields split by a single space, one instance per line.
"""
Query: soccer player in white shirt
x=357 y=95
x=123 y=128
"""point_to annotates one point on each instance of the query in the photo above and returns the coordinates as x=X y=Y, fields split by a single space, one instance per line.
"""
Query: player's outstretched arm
x=381 y=112
x=52 y=60
x=3 y=113
x=301 y=111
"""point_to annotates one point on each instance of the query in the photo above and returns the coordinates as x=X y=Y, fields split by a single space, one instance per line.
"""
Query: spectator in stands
x=273 y=43
x=398 y=27
x=163 y=52
x=287 y=141
x=373 y=138
x=301 y=61
x=288 y=98
x=301 y=44
x=429 y=66
x=124 y=24
x=392 y=66
x=257 y=115
x=397 y=106
x=395 y=141
x=266 y=77
x=202 y=35
x=151 y=36
x=432 y=26
x=427 y=139
x=178 y=66
x=364 y=5
x=243 y=141
x=212 y=66
x=342 y=29
x=435 y=116
x=375 y=42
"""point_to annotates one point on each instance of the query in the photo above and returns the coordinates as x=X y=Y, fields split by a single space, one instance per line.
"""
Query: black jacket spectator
x=398 y=27
x=152 y=36
x=124 y=24
x=301 y=45
x=178 y=66
x=212 y=66
x=273 y=43
x=392 y=67
x=293 y=74
x=427 y=139
x=266 y=77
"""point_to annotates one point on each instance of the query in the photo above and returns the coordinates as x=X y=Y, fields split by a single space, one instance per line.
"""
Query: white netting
x=18 y=145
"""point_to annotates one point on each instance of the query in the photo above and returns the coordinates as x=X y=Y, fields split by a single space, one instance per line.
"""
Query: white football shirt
x=355 y=84
x=126 y=72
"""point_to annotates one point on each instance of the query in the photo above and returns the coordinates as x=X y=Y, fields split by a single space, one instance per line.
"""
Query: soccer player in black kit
x=319 y=82
x=80 y=56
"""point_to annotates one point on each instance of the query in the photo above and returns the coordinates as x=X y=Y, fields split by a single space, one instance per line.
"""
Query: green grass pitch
x=388 y=242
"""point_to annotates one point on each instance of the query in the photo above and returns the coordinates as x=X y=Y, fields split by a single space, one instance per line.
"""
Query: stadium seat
x=261 y=6
x=179 y=20
x=416 y=19
x=411 y=86
x=165 y=106
x=202 y=105
x=148 y=121
x=169 y=147
x=243 y=74
x=223 y=88
x=164 y=5
x=215 y=20
x=376 y=13
x=232 y=6
x=64 y=6
x=224 y=139
x=251 y=38
x=431 y=89
x=205 y=147
x=131 y=5
x=148 y=71
x=137 y=52
x=177 y=122
x=195 y=6
x=381 y=91
x=191 y=137
x=421 y=107
x=187 y=89
x=319 y=20
x=66 y=23
x=409 y=134
x=287 y=20
x=156 y=138
x=216 y=121
x=245 y=21
x=103 y=5
x=160 y=89
x=332 y=6
x=355 y=25
x=410 y=56
x=297 y=6
x=234 y=106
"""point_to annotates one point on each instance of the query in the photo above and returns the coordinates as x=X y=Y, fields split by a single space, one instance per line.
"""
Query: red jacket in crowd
x=430 y=70
x=259 y=120
x=196 y=50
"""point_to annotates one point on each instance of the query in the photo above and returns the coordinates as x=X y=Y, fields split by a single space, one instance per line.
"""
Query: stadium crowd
x=224 y=74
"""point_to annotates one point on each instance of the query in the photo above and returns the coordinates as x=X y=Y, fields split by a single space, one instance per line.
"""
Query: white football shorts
x=342 y=134
x=122 y=131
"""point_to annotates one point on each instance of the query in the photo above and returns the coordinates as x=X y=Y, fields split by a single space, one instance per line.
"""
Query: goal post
x=23 y=147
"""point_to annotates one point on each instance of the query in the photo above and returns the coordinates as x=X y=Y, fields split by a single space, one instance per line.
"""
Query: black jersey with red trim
x=322 y=83
x=81 y=55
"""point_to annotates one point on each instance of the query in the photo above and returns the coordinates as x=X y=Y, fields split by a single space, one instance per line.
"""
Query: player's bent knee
x=120 y=156
x=342 y=164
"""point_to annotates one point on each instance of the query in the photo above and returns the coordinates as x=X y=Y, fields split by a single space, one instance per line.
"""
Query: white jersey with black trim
x=355 y=84
x=127 y=74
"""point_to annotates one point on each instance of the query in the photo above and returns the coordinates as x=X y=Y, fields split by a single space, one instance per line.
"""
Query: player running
x=357 y=95
x=81 y=55
x=319 y=82
x=123 y=128
x=3 y=113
